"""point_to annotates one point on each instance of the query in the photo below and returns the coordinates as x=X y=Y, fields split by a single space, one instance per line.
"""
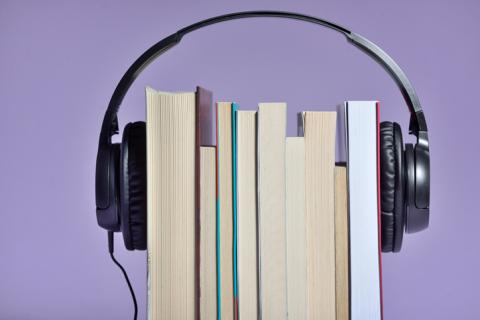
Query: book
x=271 y=210
x=208 y=255
x=341 y=243
x=204 y=136
x=319 y=132
x=295 y=225
x=360 y=147
x=247 y=262
x=171 y=204
x=161 y=136
x=225 y=236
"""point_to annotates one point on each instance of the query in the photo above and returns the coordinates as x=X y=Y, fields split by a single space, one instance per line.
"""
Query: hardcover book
x=359 y=121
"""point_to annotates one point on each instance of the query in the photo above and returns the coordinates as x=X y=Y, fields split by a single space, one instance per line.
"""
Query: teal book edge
x=234 y=202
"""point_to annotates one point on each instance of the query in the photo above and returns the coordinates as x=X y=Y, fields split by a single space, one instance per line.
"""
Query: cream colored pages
x=224 y=144
x=170 y=205
x=296 y=243
x=208 y=255
x=247 y=215
x=341 y=243
x=319 y=130
x=271 y=214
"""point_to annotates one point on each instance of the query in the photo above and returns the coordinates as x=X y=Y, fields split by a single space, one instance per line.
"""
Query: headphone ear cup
x=108 y=216
x=133 y=186
x=392 y=186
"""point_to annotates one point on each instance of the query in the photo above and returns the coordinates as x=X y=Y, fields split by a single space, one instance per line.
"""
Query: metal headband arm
x=110 y=123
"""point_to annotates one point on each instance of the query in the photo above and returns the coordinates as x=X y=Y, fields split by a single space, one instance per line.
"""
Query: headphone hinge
x=114 y=126
x=417 y=123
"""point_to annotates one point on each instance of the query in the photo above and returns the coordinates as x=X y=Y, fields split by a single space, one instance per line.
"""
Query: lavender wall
x=59 y=64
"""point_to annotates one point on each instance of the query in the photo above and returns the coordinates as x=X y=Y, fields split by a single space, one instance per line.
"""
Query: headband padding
x=133 y=186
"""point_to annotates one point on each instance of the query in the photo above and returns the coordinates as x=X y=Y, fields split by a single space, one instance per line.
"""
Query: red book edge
x=379 y=210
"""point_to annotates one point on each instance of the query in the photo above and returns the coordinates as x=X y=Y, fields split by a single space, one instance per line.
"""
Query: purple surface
x=59 y=64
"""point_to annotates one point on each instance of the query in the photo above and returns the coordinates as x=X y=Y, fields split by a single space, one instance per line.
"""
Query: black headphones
x=120 y=184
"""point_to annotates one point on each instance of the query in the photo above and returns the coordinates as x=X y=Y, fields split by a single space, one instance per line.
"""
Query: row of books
x=246 y=223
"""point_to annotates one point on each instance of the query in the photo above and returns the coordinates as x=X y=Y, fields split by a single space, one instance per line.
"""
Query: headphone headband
x=417 y=126
x=110 y=123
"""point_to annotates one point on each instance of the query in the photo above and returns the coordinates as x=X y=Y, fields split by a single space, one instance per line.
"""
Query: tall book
x=296 y=242
x=225 y=230
x=171 y=204
x=271 y=210
x=247 y=264
x=173 y=230
x=319 y=132
x=208 y=256
x=359 y=120
x=341 y=243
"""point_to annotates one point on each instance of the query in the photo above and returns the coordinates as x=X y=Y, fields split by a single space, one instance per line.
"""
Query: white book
x=319 y=131
x=247 y=265
x=208 y=234
x=272 y=122
x=296 y=241
x=359 y=120
x=341 y=244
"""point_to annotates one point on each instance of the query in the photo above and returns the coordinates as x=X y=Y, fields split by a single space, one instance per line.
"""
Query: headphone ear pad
x=392 y=186
x=133 y=186
x=399 y=208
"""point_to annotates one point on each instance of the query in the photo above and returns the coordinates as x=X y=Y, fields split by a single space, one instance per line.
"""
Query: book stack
x=246 y=223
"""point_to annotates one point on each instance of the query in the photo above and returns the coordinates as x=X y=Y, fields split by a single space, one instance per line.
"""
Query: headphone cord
x=110 y=249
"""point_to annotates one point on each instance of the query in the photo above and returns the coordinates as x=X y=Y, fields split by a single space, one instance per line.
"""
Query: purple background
x=59 y=64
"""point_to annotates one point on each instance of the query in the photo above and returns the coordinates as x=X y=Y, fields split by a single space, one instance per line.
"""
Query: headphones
x=120 y=178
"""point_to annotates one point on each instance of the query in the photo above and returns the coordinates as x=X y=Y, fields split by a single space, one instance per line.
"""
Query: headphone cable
x=110 y=249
